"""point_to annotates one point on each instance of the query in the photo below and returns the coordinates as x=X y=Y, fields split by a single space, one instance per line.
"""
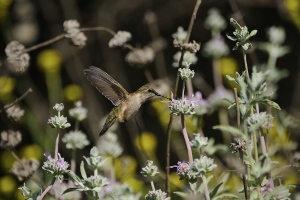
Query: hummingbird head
x=149 y=92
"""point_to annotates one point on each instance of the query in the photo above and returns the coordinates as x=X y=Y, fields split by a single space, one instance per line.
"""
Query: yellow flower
x=125 y=165
x=31 y=151
x=6 y=160
x=4 y=8
x=162 y=112
x=293 y=7
x=228 y=66
x=73 y=92
x=280 y=137
x=174 y=180
x=7 y=185
x=6 y=86
x=134 y=183
x=49 y=61
x=146 y=142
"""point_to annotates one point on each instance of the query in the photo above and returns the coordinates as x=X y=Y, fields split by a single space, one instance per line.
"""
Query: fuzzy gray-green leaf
x=230 y=129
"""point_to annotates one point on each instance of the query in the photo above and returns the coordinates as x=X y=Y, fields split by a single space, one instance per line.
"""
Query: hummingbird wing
x=105 y=84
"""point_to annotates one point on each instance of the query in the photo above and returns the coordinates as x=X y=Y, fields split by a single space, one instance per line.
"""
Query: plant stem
x=47 y=189
x=246 y=65
x=169 y=129
x=56 y=146
x=17 y=100
x=193 y=18
x=205 y=188
x=73 y=161
x=175 y=93
x=186 y=139
x=152 y=186
x=55 y=39
x=216 y=73
x=99 y=28
x=241 y=154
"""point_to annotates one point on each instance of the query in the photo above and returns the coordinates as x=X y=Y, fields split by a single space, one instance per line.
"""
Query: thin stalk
x=246 y=65
x=216 y=73
x=47 y=189
x=55 y=39
x=254 y=138
x=186 y=139
x=73 y=161
x=238 y=117
x=175 y=92
x=169 y=129
x=241 y=153
x=207 y=197
x=152 y=186
x=100 y=28
x=193 y=18
x=17 y=100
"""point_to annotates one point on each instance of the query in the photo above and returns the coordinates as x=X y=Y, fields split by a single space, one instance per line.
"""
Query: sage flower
x=150 y=169
x=241 y=35
x=58 y=167
x=16 y=57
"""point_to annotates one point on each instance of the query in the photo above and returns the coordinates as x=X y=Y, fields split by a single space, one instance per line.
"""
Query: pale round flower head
x=23 y=169
x=119 y=39
x=16 y=57
x=73 y=33
x=15 y=112
x=140 y=57
x=214 y=20
x=180 y=35
x=79 y=113
x=10 y=138
x=188 y=58
x=75 y=140
x=216 y=48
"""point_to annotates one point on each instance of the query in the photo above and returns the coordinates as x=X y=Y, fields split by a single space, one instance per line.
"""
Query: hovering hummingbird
x=127 y=104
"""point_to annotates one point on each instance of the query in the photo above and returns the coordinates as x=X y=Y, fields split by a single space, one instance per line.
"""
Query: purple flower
x=57 y=166
x=183 y=169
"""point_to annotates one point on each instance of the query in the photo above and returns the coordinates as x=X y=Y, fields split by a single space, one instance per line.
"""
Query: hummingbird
x=126 y=104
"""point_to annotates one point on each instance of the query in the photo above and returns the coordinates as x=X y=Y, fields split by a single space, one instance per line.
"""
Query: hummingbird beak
x=157 y=94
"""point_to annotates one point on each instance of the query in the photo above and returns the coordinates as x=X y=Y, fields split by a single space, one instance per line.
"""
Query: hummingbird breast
x=130 y=106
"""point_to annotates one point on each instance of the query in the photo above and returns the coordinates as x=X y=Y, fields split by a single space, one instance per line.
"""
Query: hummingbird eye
x=149 y=90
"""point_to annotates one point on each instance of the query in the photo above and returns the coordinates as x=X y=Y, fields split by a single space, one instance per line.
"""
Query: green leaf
x=215 y=190
x=272 y=104
x=276 y=172
x=258 y=125
x=229 y=100
x=74 y=178
x=82 y=170
x=235 y=24
x=201 y=187
x=254 y=195
x=232 y=105
x=231 y=38
x=254 y=32
x=70 y=190
x=226 y=196
x=193 y=186
x=232 y=130
x=181 y=194
x=231 y=79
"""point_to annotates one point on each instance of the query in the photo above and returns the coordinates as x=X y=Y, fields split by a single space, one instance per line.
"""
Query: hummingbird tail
x=109 y=122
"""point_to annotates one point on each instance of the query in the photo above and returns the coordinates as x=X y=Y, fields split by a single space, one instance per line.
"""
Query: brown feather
x=105 y=84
